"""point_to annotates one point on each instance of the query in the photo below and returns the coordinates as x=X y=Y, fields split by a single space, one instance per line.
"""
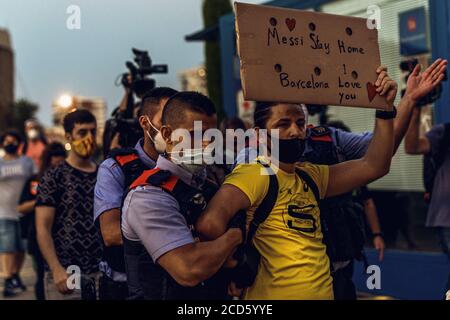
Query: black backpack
x=432 y=163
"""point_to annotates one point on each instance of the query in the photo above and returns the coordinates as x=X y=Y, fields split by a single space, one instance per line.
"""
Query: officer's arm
x=414 y=143
x=110 y=227
x=221 y=209
x=193 y=263
x=108 y=194
x=349 y=175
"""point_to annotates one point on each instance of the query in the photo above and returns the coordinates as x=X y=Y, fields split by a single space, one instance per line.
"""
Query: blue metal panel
x=413 y=32
x=407 y=275
x=230 y=83
x=440 y=44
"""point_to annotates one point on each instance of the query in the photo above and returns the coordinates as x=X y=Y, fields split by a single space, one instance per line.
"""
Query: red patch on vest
x=123 y=160
x=326 y=138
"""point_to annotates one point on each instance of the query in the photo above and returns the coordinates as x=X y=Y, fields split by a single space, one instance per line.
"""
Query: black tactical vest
x=149 y=281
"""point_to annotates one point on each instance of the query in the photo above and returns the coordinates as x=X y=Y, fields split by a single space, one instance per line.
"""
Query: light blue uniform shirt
x=109 y=192
x=152 y=216
x=350 y=145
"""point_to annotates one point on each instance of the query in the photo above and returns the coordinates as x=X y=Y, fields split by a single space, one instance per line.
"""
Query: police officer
x=114 y=177
x=162 y=254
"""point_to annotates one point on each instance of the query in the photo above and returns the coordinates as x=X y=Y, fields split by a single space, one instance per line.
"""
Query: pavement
x=28 y=277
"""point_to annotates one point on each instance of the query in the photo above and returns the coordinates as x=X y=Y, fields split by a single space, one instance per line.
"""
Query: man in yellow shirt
x=293 y=263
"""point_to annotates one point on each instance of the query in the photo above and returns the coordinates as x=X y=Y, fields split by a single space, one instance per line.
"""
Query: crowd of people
x=279 y=218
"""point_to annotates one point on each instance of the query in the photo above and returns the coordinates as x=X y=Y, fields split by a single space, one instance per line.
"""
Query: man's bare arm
x=193 y=263
x=44 y=224
x=418 y=86
x=221 y=209
x=414 y=143
x=110 y=227
x=348 y=175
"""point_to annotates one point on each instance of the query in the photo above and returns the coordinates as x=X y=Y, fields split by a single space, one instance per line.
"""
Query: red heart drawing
x=371 y=91
x=290 y=24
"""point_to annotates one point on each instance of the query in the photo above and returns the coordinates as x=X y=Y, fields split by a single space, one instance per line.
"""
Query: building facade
x=193 y=79
x=6 y=76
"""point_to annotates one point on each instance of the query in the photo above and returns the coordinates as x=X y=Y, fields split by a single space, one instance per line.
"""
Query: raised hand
x=420 y=84
x=386 y=86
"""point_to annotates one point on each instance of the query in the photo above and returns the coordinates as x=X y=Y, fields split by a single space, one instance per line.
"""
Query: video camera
x=408 y=66
x=139 y=71
x=124 y=122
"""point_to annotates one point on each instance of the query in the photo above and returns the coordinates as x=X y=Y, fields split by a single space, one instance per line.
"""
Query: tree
x=19 y=112
x=212 y=11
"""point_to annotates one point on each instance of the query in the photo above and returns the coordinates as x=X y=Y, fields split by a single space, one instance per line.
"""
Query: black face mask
x=290 y=150
x=11 y=148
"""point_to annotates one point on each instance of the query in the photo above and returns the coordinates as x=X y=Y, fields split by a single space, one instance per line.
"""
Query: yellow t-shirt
x=294 y=264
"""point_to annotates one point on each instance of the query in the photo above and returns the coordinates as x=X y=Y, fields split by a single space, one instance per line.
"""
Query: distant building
x=66 y=104
x=6 y=75
x=193 y=79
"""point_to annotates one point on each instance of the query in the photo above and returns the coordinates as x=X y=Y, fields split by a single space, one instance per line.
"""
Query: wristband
x=386 y=115
x=378 y=234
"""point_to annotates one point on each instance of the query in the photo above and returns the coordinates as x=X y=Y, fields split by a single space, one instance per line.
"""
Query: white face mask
x=191 y=160
x=158 y=140
x=32 y=134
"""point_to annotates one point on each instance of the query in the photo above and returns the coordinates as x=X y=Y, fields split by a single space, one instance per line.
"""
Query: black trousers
x=343 y=286
x=38 y=260
x=112 y=290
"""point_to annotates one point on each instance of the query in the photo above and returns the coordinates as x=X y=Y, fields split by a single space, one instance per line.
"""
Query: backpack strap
x=267 y=204
x=129 y=162
x=309 y=182
x=156 y=177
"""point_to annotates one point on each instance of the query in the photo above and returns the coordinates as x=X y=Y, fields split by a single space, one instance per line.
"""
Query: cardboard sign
x=307 y=57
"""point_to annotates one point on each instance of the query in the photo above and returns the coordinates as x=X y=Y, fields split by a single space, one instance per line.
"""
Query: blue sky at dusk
x=52 y=60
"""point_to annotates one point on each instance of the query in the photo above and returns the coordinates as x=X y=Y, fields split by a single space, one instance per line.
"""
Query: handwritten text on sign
x=300 y=56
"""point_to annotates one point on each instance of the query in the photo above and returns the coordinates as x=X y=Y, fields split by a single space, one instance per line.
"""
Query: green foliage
x=19 y=112
x=212 y=11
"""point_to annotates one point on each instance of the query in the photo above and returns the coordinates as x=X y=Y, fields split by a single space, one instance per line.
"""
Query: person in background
x=230 y=155
x=216 y=171
x=54 y=155
x=35 y=141
x=67 y=236
x=435 y=143
x=14 y=171
x=363 y=197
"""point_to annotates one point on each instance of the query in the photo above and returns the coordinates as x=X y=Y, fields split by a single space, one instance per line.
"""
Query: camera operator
x=113 y=179
x=123 y=129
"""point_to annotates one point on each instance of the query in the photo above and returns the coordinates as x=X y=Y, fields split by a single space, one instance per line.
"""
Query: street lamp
x=65 y=101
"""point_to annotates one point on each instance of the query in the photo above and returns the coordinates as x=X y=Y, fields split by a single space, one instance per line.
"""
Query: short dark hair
x=175 y=109
x=232 y=123
x=262 y=113
x=11 y=133
x=153 y=98
x=79 y=116
x=54 y=149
